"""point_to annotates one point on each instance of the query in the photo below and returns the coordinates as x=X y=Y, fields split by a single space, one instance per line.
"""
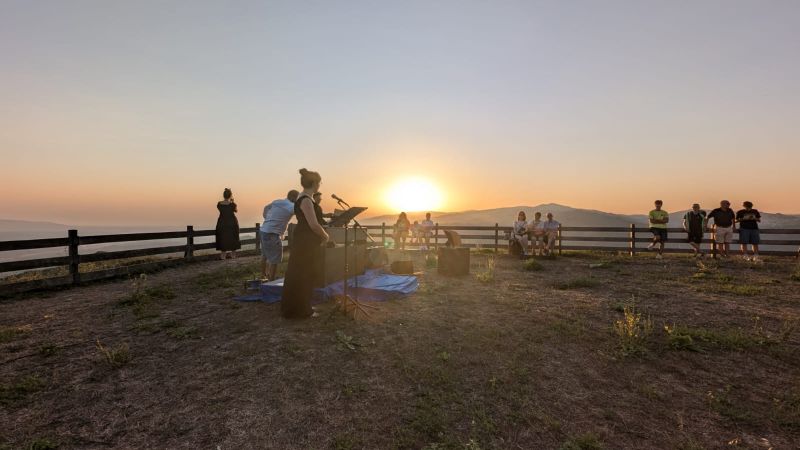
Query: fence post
x=497 y=238
x=436 y=237
x=74 y=258
x=383 y=234
x=633 y=239
x=559 y=239
x=188 y=255
x=258 y=237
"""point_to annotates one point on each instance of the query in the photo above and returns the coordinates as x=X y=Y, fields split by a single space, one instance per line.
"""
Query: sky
x=141 y=113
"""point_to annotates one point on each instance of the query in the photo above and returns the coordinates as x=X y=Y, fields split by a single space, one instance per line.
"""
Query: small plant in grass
x=8 y=334
x=577 y=283
x=632 y=331
x=48 y=349
x=588 y=441
x=795 y=276
x=345 y=342
x=182 y=332
x=443 y=356
x=487 y=276
x=117 y=356
x=13 y=392
x=431 y=261
x=532 y=265
x=678 y=340
x=741 y=289
x=42 y=444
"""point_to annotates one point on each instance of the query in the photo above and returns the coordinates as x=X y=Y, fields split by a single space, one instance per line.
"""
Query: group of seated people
x=420 y=232
x=542 y=234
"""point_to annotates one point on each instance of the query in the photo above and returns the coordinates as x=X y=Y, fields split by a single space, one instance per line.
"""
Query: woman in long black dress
x=307 y=242
x=227 y=226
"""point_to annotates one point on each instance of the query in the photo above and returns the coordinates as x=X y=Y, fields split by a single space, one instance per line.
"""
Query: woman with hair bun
x=305 y=253
x=227 y=226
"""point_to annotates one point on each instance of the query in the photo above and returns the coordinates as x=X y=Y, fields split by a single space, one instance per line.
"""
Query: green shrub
x=532 y=265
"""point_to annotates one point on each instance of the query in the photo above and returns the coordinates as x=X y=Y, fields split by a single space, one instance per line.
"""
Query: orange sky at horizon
x=129 y=113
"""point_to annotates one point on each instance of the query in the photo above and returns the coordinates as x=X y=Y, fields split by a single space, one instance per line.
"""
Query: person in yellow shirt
x=658 y=226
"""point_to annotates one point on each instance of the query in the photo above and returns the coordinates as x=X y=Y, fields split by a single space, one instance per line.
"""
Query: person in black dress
x=306 y=251
x=227 y=226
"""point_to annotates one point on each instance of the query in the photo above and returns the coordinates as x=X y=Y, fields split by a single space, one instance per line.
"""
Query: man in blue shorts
x=748 y=219
x=276 y=218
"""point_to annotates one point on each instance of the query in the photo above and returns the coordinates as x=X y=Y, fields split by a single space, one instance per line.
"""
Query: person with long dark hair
x=227 y=226
x=401 y=228
x=305 y=252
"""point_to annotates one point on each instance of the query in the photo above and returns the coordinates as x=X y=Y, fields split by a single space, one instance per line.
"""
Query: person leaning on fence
x=694 y=223
x=426 y=231
x=520 y=233
x=537 y=234
x=550 y=229
x=401 y=228
x=658 y=226
x=276 y=218
x=748 y=219
x=724 y=226
x=227 y=231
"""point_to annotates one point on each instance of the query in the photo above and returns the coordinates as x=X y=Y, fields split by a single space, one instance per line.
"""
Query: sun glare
x=414 y=194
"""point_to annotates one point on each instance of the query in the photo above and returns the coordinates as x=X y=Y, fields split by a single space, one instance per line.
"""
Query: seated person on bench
x=520 y=232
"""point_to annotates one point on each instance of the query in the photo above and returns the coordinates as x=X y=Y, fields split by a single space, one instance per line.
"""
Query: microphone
x=336 y=197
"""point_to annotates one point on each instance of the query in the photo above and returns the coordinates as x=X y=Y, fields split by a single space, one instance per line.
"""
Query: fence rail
x=613 y=239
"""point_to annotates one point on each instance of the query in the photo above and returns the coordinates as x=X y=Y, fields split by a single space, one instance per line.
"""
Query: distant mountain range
x=566 y=215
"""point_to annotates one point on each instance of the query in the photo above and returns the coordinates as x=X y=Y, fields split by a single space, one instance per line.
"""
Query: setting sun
x=414 y=194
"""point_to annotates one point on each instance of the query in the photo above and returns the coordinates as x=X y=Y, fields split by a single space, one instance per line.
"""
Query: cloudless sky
x=141 y=112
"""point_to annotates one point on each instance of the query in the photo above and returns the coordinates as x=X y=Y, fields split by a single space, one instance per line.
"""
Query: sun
x=414 y=194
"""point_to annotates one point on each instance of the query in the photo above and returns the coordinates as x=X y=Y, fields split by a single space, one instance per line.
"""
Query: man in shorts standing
x=694 y=223
x=276 y=218
x=724 y=227
x=658 y=226
x=748 y=219
x=426 y=231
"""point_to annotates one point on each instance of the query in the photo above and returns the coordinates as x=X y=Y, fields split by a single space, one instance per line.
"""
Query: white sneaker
x=756 y=258
x=746 y=258
x=659 y=256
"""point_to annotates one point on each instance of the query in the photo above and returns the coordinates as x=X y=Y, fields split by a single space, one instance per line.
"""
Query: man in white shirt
x=276 y=218
x=550 y=228
x=425 y=231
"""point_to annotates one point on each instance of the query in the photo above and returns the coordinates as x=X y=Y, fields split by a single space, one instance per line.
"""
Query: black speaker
x=403 y=268
x=453 y=261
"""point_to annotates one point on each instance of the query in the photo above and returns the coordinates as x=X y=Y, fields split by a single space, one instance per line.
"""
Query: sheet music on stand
x=345 y=217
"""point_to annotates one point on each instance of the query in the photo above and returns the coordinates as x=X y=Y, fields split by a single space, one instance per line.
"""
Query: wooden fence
x=630 y=240
x=72 y=261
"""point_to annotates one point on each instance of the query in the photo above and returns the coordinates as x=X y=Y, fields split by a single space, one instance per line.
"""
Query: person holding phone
x=227 y=231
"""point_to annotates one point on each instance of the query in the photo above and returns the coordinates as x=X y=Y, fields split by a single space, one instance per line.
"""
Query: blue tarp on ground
x=374 y=285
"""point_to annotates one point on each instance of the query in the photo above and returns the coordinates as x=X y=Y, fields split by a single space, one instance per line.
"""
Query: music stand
x=345 y=302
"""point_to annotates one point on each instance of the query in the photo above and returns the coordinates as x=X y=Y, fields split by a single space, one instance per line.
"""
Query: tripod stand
x=345 y=303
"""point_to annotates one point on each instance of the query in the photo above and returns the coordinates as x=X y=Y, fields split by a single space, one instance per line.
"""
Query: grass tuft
x=14 y=392
x=632 y=332
x=117 y=356
x=588 y=441
x=532 y=265
x=8 y=334
x=577 y=283
x=487 y=276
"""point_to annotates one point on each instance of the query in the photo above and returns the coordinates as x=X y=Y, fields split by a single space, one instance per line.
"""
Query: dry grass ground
x=579 y=352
